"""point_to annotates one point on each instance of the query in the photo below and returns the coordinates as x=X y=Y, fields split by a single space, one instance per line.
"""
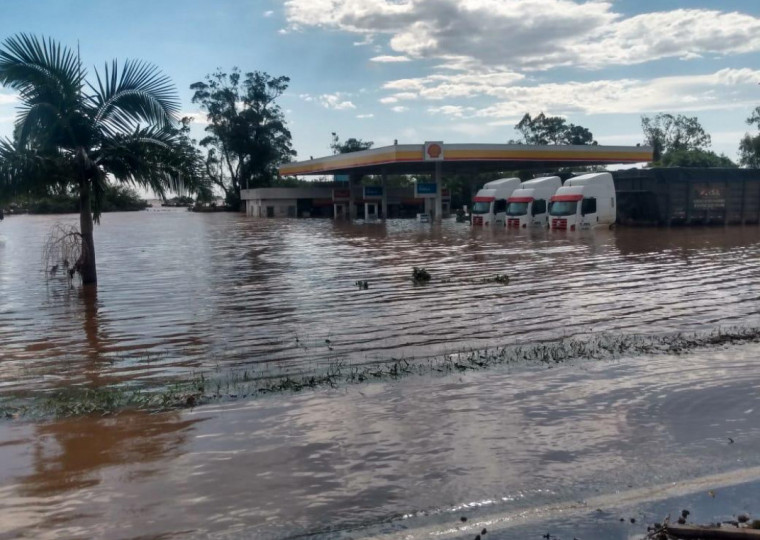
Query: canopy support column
x=351 y=199
x=385 y=196
x=438 y=192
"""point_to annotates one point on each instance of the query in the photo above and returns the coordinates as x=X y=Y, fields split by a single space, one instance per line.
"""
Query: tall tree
x=349 y=145
x=247 y=136
x=695 y=158
x=669 y=133
x=74 y=133
x=543 y=129
x=749 y=146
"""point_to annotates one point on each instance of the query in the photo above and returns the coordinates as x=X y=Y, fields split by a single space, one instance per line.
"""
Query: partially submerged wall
x=686 y=196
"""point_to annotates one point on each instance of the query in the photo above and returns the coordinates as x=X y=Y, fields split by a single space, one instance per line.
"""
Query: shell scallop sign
x=434 y=151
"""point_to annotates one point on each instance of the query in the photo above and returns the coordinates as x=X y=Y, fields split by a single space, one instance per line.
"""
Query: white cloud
x=456 y=111
x=336 y=101
x=8 y=99
x=457 y=85
x=389 y=59
x=532 y=34
x=268 y=13
x=362 y=116
x=724 y=89
x=399 y=108
x=197 y=117
x=368 y=40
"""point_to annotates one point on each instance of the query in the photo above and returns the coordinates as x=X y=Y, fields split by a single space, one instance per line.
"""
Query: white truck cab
x=490 y=204
x=584 y=202
x=528 y=206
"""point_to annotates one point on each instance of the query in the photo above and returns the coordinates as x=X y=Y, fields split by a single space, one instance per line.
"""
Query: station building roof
x=466 y=158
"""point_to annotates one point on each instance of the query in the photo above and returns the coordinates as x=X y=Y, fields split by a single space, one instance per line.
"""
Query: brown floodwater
x=181 y=293
x=404 y=459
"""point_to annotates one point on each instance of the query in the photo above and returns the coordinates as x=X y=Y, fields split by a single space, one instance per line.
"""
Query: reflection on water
x=59 y=465
x=181 y=292
x=355 y=461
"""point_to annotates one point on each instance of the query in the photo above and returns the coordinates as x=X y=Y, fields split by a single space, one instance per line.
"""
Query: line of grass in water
x=203 y=388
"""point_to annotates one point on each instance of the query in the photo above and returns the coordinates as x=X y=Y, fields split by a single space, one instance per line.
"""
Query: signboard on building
x=373 y=192
x=709 y=197
x=341 y=194
x=340 y=177
x=423 y=189
x=433 y=151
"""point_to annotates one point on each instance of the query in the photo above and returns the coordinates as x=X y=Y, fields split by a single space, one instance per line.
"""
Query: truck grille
x=513 y=223
x=477 y=220
x=559 y=223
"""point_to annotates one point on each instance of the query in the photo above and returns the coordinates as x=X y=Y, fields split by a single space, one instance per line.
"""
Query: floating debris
x=502 y=278
x=726 y=530
x=420 y=275
x=362 y=284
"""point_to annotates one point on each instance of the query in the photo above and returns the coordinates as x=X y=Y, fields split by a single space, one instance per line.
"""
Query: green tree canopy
x=668 y=133
x=749 y=146
x=695 y=158
x=543 y=129
x=247 y=138
x=74 y=133
x=349 y=145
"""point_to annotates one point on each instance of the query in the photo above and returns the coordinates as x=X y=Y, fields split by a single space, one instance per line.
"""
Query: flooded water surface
x=181 y=293
x=405 y=459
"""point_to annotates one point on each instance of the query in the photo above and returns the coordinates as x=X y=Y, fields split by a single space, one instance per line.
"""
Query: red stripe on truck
x=484 y=199
x=567 y=198
x=520 y=199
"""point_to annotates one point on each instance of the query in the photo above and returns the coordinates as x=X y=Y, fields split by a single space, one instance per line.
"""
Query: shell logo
x=434 y=150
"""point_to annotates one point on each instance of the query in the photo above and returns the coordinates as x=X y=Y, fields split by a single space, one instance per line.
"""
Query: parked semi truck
x=528 y=206
x=490 y=204
x=584 y=202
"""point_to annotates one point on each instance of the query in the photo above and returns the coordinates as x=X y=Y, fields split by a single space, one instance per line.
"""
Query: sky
x=460 y=71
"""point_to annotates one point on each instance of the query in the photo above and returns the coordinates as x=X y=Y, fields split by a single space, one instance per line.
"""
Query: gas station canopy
x=465 y=158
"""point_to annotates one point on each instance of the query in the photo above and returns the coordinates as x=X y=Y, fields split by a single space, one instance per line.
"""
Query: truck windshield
x=563 y=208
x=517 y=208
x=481 y=207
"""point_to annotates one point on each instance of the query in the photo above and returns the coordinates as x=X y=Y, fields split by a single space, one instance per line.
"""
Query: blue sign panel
x=373 y=191
x=340 y=177
x=427 y=188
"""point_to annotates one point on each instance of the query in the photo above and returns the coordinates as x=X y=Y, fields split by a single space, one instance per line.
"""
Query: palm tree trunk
x=87 y=261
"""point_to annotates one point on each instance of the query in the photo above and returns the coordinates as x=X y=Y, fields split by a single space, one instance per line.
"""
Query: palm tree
x=74 y=134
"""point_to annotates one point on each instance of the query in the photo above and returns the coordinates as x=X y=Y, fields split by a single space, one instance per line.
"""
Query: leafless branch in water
x=63 y=251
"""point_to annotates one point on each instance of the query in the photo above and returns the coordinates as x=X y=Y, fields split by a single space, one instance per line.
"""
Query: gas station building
x=342 y=199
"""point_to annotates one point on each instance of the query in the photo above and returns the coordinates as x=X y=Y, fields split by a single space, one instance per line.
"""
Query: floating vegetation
x=205 y=388
x=741 y=527
x=362 y=284
x=420 y=275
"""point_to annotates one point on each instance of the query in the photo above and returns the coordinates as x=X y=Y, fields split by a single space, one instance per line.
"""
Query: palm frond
x=24 y=170
x=34 y=119
x=137 y=93
x=41 y=70
x=147 y=157
x=48 y=78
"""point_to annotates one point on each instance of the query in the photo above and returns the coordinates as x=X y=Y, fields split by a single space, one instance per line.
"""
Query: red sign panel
x=341 y=194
